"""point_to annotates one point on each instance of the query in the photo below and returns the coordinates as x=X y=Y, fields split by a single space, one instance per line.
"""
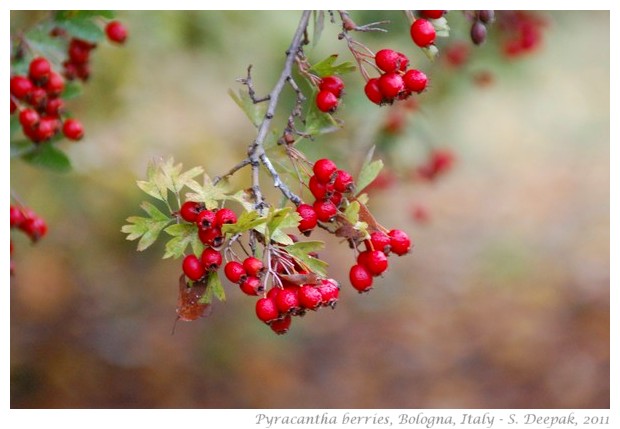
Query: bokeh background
x=503 y=303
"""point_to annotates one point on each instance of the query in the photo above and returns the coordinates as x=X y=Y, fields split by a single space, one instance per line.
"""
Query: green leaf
x=72 y=90
x=63 y=15
x=183 y=235
x=282 y=219
x=254 y=111
x=300 y=252
x=319 y=24
x=39 y=41
x=431 y=52
x=245 y=198
x=281 y=237
x=84 y=29
x=318 y=122
x=146 y=228
x=208 y=193
x=21 y=147
x=47 y=156
x=214 y=286
x=15 y=125
x=326 y=67
x=368 y=174
x=247 y=220
x=164 y=176
x=352 y=212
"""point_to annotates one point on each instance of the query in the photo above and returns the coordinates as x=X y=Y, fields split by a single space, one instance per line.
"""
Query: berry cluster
x=29 y=223
x=522 y=32
x=373 y=261
x=330 y=91
x=439 y=162
x=38 y=99
x=396 y=82
x=478 y=32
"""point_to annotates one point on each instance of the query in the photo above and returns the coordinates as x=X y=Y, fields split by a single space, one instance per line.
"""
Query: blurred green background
x=503 y=303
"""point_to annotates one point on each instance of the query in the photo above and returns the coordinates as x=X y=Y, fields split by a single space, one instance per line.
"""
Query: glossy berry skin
x=34 y=226
x=399 y=242
x=478 y=33
x=320 y=191
x=17 y=217
x=45 y=129
x=344 y=182
x=21 y=87
x=325 y=210
x=361 y=278
x=404 y=62
x=415 y=80
x=432 y=14
x=211 y=259
x=332 y=84
x=116 y=32
x=72 y=129
x=380 y=241
x=251 y=286
x=422 y=33
x=189 y=211
x=391 y=85
x=211 y=237
x=235 y=272
x=281 y=326
x=387 y=60
x=326 y=101
x=28 y=118
x=193 y=268
x=224 y=217
x=266 y=310
x=54 y=107
x=329 y=289
x=309 y=297
x=39 y=69
x=374 y=261
x=308 y=218
x=205 y=219
x=324 y=169
x=373 y=92
x=287 y=301
x=253 y=266
x=55 y=85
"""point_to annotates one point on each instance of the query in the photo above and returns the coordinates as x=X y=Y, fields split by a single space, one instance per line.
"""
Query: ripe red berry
x=324 y=169
x=332 y=84
x=34 y=226
x=37 y=97
x=321 y=191
x=79 y=52
x=54 y=107
x=399 y=242
x=72 y=129
x=387 y=60
x=380 y=241
x=287 y=301
x=374 y=261
x=308 y=218
x=266 y=310
x=325 y=210
x=273 y=292
x=336 y=198
x=309 y=297
x=21 y=87
x=211 y=259
x=391 y=85
x=344 y=182
x=373 y=92
x=116 y=32
x=46 y=128
x=329 y=289
x=360 y=278
x=55 y=85
x=422 y=32
x=17 y=216
x=212 y=237
x=193 y=268
x=281 y=326
x=415 y=80
x=253 y=266
x=404 y=61
x=39 y=69
x=326 y=101
x=205 y=219
x=235 y=272
x=225 y=216
x=432 y=14
x=28 y=118
x=251 y=286
x=189 y=211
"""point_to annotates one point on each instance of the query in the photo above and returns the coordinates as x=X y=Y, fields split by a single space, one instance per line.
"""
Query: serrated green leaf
x=208 y=193
x=83 y=28
x=244 y=197
x=326 y=67
x=63 y=15
x=306 y=246
x=281 y=237
x=319 y=24
x=247 y=220
x=21 y=147
x=214 y=286
x=254 y=111
x=301 y=250
x=153 y=212
x=148 y=228
x=368 y=174
x=318 y=122
x=282 y=218
x=72 y=90
x=164 y=175
x=352 y=212
x=47 y=156
x=183 y=235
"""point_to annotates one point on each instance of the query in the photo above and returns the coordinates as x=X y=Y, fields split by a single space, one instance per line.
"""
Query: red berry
x=234 y=272
x=432 y=14
x=193 y=268
x=308 y=218
x=325 y=210
x=324 y=169
x=21 y=87
x=329 y=289
x=205 y=219
x=72 y=129
x=399 y=241
x=39 y=69
x=391 y=85
x=332 y=84
x=387 y=60
x=211 y=259
x=79 y=51
x=116 y=32
x=251 y=286
x=273 y=292
x=225 y=216
x=38 y=97
x=404 y=61
x=321 y=191
x=374 y=261
x=13 y=106
x=422 y=32
x=336 y=198
x=54 y=107
x=17 y=216
x=373 y=92
x=46 y=128
x=212 y=237
x=344 y=182
x=34 y=226
x=55 y=85
x=380 y=241
x=253 y=266
x=326 y=101
x=309 y=297
x=266 y=310
x=28 y=118
x=281 y=326
x=360 y=278
x=287 y=301
x=415 y=80
x=189 y=211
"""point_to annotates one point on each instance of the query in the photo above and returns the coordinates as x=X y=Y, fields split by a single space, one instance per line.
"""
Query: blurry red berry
x=72 y=129
x=116 y=32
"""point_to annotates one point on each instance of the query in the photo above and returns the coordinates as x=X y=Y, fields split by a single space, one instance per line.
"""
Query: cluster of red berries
x=522 y=32
x=328 y=184
x=41 y=90
x=209 y=224
x=29 y=223
x=330 y=91
x=478 y=32
x=439 y=162
x=373 y=261
x=396 y=82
